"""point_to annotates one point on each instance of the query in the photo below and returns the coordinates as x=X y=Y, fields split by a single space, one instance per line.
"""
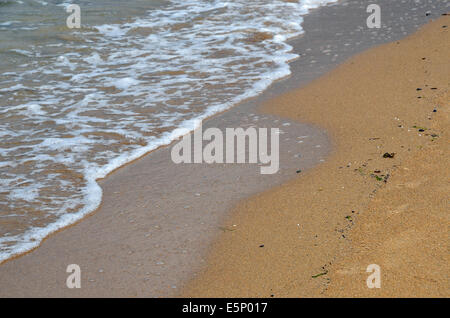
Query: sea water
x=75 y=104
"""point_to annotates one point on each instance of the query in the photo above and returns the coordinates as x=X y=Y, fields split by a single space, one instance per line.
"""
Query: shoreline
x=133 y=157
x=275 y=89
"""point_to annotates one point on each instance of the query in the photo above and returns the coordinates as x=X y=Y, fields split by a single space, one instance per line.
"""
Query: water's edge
x=31 y=239
x=311 y=46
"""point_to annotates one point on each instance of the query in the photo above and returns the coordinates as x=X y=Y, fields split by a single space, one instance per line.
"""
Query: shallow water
x=77 y=103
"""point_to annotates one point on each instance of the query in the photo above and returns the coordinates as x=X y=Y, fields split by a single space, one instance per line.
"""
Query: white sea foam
x=75 y=116
x=34 y=109
x=125 y=83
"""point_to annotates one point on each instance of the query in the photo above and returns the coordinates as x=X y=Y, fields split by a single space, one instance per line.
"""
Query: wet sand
x=156 y=219
x=381 y=198
x=131 y=247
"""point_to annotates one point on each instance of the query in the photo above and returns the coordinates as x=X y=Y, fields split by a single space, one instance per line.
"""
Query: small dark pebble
x=419 y=96
x=427 y=14
x=444 y=26
x=389 y=155
x=424 y=58
x=434 y=110
x=433 y=87
x=418 y=89
x=298 y=171
x=272 y=295
x=377 y=171
x=421 y=130
x=262 y=245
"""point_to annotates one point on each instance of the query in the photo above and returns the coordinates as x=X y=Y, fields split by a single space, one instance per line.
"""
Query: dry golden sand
x=316 y=235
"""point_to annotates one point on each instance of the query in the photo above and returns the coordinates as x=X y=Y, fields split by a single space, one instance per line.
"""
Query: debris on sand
x=320 y=274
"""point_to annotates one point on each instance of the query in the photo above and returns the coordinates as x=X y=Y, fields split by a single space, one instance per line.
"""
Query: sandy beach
x=315 y=236
x=363 y=180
